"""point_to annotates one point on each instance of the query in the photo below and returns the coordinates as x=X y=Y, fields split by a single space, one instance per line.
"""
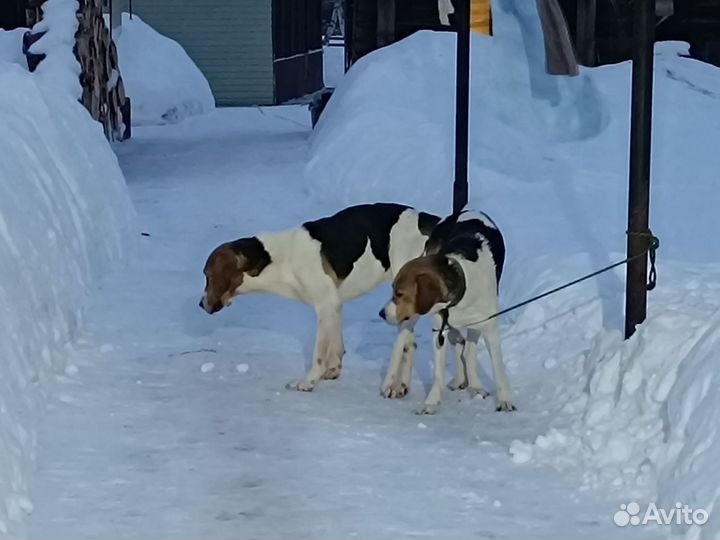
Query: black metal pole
x=639 y=185
x=462 y=103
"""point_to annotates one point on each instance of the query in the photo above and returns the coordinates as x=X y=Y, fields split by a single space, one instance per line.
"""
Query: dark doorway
x=297 y=48
x=12 y=14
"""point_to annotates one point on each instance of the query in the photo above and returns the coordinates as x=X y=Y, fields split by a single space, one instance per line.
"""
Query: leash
x=654 y=244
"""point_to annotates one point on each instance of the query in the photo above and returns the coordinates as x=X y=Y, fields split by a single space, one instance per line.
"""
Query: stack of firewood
x=103 y=89
x=103 y=92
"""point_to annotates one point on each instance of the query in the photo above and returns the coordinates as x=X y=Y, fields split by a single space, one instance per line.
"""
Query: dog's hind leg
x=335 y=349
x=395 y=385
x=474 y=385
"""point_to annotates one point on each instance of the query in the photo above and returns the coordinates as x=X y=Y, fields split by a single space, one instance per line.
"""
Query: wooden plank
x=560 y=58
x=481 y=17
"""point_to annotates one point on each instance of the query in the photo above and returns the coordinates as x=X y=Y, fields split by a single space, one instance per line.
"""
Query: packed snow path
x=175 y=424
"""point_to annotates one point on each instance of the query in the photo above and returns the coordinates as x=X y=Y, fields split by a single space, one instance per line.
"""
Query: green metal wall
x=229 y=40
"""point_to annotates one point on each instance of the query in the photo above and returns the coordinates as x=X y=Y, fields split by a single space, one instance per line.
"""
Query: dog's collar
x=455 y=280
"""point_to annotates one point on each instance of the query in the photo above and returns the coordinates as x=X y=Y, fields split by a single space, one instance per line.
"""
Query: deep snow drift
x=163 y=83
x=65 y=222
x=401 y=99
x=549 y=163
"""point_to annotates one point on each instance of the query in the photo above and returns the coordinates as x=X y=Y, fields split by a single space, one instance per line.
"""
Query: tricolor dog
x=456 y=280
x=323 y=263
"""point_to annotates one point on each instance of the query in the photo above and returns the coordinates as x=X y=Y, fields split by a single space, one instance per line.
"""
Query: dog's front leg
x=491 y=336
x=432 y=401
x=327 y=344
x=396 y=385
x=460 y=381
x=406 y=366
x=474 y=386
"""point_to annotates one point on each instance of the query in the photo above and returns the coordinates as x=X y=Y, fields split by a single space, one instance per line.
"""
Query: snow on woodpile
x=60 y=66
x=65 y=222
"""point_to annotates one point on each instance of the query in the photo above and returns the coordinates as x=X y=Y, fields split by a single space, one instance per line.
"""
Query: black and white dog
x=324 y=263
x=457 y=281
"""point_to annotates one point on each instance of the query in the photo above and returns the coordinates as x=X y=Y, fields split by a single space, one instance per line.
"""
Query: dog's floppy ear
x=251 y=255
x=240 y=261
x=229 y=260
x=429 y=292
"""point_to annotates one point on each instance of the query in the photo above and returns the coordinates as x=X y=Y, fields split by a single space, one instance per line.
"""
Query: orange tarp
x=480 y=18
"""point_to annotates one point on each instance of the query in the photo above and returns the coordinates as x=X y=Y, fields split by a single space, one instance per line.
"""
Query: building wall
x=231 y=43
x=694 y=21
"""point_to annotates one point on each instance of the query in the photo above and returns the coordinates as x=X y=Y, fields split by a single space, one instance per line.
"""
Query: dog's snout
x=209 y=308
x=382 y=313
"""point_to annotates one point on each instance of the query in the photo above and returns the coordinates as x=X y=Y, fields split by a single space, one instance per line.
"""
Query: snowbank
x=644 y=415
x=65 y=221
x=549 y=163
x=395 y=107
x=11 y=46
x=163 y=83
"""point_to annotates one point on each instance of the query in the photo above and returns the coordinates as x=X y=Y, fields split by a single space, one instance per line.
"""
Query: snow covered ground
x=164 y=434
x=175 y=424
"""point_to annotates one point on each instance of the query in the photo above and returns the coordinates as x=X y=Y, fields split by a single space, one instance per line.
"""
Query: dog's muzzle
x=210 y=310
x=388 y=313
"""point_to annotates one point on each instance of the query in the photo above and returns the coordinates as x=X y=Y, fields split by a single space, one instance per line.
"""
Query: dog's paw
x=457 y=383
x=332 y=373
x=505 y=406
x=301 y=385
x=478 y=391
x=395 y=390
x=428 y=408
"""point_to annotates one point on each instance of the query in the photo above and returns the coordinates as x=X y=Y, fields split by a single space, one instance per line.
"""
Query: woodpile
x=103 y=92
x=103 y=89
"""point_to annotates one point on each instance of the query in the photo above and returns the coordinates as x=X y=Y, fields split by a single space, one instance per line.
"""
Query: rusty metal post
x=640 y=143
x=462 y=104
